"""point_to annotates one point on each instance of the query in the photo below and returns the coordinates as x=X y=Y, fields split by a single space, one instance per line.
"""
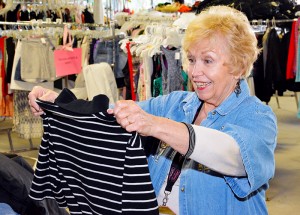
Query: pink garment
x=291 y=61
x=141 y=84
x=3 y=73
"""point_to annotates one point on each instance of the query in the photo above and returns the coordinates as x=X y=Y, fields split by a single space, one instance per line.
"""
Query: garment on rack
x=26 y=125
x=130 y=85
x=96 y=79
x=147 y=69
x=273 y=70
x=171 y=70
x=39 y=65
x=6 y=99
x=88 y=16
x=108 y=50
x=3 y=72
x=291 y=63
x=10 y=50
x=156 y=82
x=88 y=163
x=16 y=82
x=12 y=15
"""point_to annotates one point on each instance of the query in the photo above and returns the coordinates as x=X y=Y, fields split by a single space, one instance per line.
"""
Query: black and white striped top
x=88 y=163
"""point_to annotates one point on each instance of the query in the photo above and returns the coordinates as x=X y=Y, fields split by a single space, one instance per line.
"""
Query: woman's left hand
x=131 y=117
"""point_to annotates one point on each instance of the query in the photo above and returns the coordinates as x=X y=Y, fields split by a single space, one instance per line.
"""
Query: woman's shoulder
x=255 y=104
x=254 y=109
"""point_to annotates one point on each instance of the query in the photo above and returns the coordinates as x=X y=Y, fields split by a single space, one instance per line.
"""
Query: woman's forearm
x=216 y=150
x=173 y=133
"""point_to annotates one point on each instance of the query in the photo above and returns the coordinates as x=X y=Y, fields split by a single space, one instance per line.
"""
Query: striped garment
x=88 y=163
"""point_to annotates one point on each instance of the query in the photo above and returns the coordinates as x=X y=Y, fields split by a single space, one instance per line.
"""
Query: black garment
x=89 y=163
x=32 y=15
x=15 y=181
x=40 y=15
x=92 y=44
x=274 y=75
x=88 y=16
x=10 y=50
x=127 y=81
x=258 y=73
x=256 y=9
x=12 y=15
x=291 y=85
x=264 y=76
x=157 y=71
x=24 y=15
x=2 y=19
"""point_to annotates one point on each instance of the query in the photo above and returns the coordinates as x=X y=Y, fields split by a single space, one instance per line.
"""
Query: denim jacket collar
x=192 y=101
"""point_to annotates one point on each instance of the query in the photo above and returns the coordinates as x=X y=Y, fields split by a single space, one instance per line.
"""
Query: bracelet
x=192 y=139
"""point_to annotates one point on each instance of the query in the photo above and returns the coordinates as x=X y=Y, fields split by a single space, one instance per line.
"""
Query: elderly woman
x=216 y=152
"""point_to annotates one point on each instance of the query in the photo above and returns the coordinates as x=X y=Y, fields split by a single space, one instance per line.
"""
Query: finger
x=36 y=112
x=48 y=96
x=124 y=122
x=110 y=111
x=123 y=105
x=130 y=119
x=34 y=106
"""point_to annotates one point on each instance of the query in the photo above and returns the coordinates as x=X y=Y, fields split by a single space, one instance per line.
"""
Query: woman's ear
x=237 y=77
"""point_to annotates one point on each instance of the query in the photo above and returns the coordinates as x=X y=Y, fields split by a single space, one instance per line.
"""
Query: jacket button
x=182 y=189
x=214 y=113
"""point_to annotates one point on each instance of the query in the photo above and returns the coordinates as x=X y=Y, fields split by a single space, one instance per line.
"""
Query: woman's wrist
x=173 y=133
x=192 y=139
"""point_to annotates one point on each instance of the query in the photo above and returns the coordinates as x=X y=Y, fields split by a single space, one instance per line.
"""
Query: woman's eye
x=191 y=60
x=208 y=61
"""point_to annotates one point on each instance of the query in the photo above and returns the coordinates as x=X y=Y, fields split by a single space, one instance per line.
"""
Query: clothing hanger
x=172 y=38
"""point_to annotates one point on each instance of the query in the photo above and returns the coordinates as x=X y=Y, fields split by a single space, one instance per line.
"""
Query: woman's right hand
x=44 y=94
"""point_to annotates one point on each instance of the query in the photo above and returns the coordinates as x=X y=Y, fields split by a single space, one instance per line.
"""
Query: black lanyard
x=175 y=171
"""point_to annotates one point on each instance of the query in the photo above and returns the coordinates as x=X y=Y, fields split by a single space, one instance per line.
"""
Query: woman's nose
x=197 y=70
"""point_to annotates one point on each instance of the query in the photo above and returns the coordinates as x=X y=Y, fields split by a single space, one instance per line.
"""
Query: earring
x=237 y=89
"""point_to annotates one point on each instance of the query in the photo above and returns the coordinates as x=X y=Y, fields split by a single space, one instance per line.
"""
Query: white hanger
x=172 y=38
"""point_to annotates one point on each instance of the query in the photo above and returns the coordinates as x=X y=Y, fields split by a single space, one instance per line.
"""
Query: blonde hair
x=231 y=24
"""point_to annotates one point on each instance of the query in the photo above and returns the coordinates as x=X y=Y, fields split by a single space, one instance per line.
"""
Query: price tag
x=43 y=40
x=177 y=55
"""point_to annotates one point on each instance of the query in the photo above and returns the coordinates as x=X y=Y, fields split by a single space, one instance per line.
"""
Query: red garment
x=82 y=18
x=291 y=61
x=3 y=73
x=6 y=101
x=6 y=106
x=184 y=8
x=130 y=66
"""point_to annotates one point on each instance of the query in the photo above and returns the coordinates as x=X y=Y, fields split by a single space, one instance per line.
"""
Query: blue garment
x=106 y=50
x=251 y=123
x=5 y=209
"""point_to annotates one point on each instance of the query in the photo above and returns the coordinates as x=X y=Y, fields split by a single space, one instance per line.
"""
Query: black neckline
x=68 y=101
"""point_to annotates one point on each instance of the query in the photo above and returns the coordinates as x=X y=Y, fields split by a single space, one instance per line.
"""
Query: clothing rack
x=76 y=29
x=261 y=25
x=271 y=21
x=51 y=24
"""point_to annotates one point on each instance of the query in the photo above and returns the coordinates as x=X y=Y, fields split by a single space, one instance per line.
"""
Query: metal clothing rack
x=43 y=24
x=50 y=24
x=273 y=22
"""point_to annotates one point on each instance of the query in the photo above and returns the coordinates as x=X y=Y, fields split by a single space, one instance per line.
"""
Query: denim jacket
x=254 y=127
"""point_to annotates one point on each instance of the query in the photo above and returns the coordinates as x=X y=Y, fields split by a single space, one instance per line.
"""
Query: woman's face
x=209 y=70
